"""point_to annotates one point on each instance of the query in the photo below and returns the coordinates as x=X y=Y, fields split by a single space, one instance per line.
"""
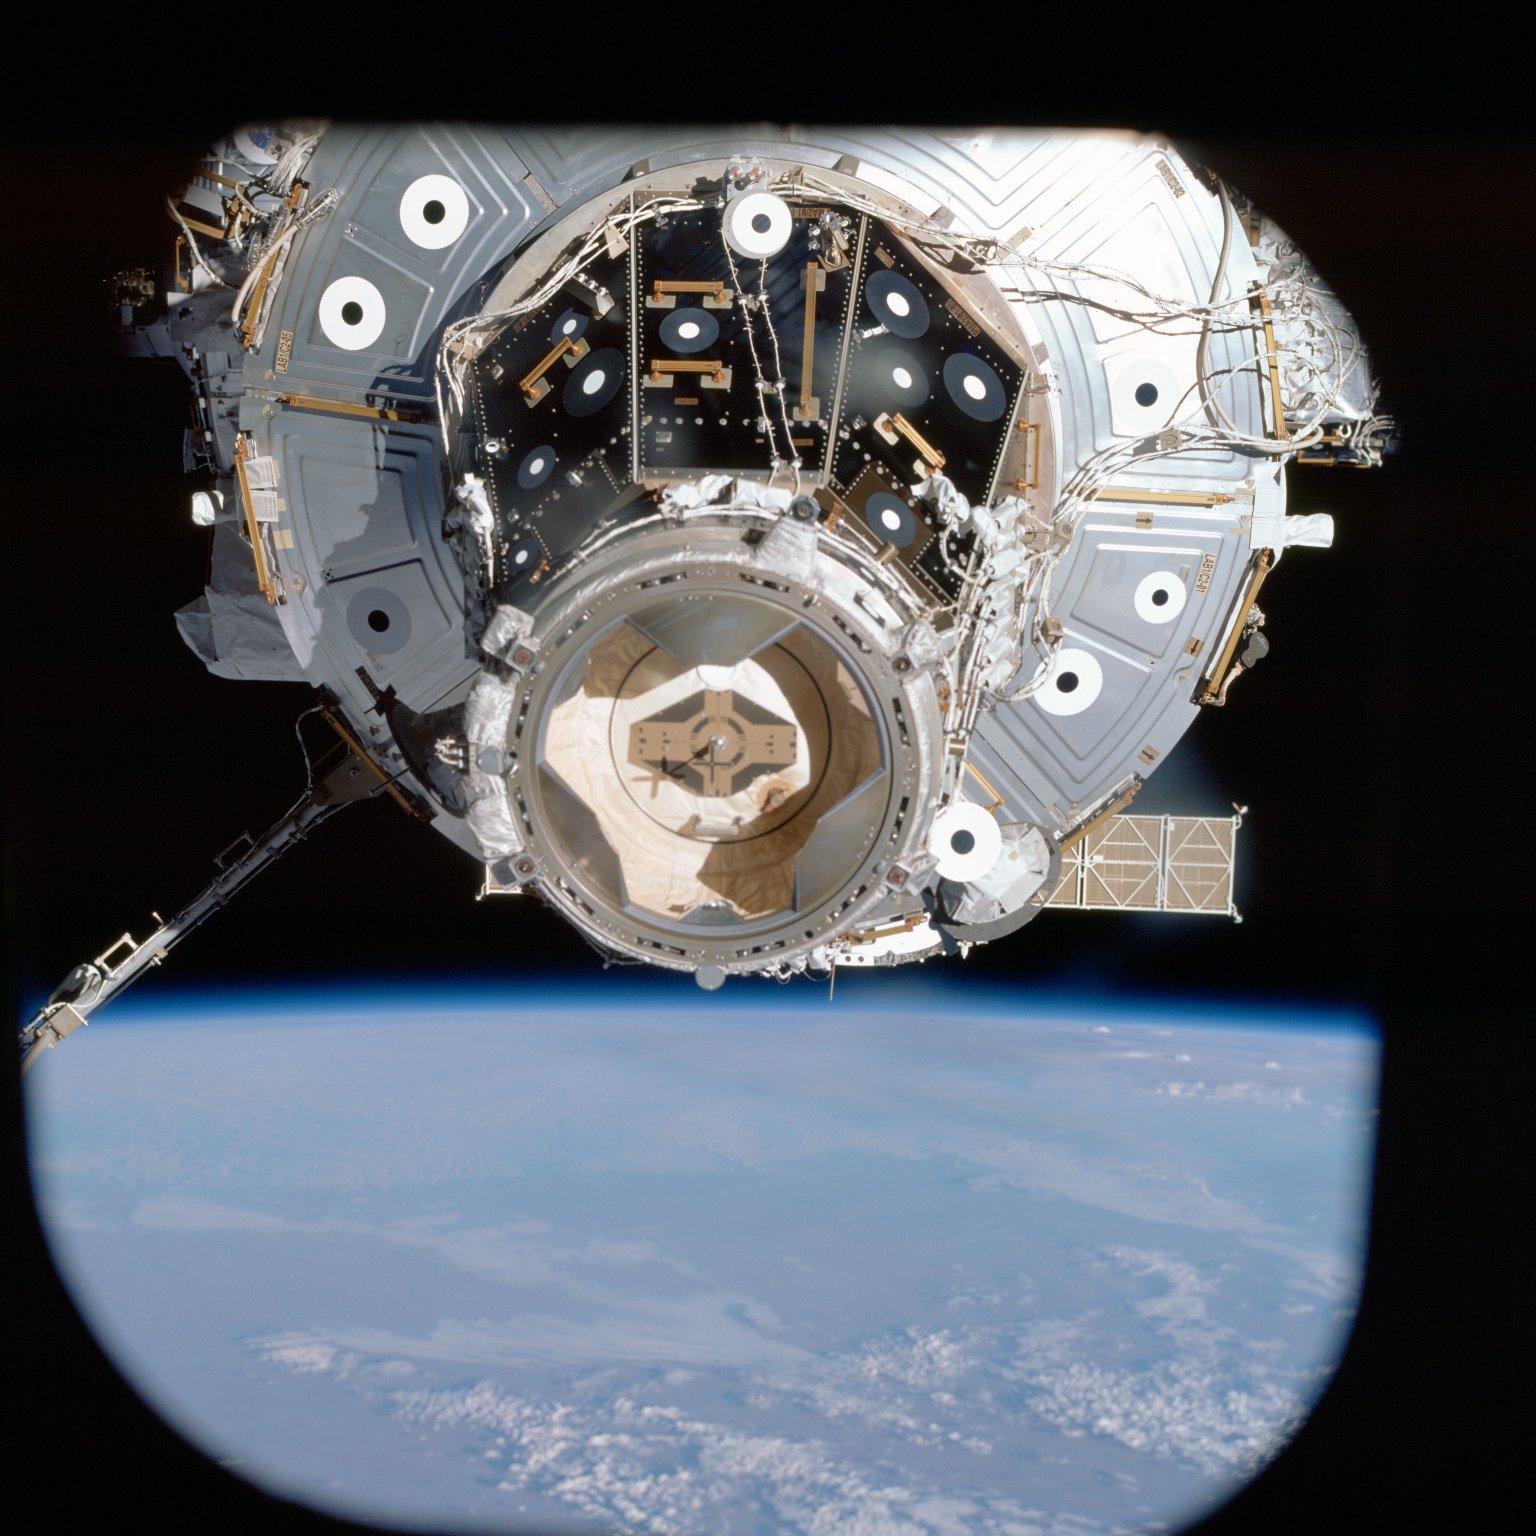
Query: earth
x=907 y=1263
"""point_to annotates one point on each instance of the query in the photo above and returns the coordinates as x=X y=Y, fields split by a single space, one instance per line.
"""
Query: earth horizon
x=620 y=1258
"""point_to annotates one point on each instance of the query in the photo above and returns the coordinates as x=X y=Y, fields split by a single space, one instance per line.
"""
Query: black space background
x=1385 y=861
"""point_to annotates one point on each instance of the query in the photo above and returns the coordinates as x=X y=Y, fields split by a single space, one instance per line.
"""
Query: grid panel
x=1151 y=864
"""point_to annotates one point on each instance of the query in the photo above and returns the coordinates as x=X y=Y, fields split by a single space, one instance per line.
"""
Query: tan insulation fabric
x=691 y=829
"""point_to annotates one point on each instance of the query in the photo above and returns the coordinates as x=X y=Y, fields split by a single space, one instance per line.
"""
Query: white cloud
x=1208 y=1397
x=1183 y=1301
x=192 y=1213
x=596 y=1430
x=642 y=1467
x=513 y=1252
x=1153 y=1192
x=1330 y=1275
x=71 y=1216
x=707 y=1330
x=1179 y=1409
x=1232 y=1093
x=306 y=1357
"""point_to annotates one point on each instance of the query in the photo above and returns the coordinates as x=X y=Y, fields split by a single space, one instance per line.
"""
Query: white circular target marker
x=966 y=840
x=434 y=212
x=352 y=313
x=758 y=225
x=1073 y=679
x=254 y=143
x=1160 y=597
x=1145 y=392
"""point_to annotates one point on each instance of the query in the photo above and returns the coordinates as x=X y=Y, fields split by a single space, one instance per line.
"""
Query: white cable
x=192 y=245
x=778 y=368
x=1318 y=361
x=276 y=246
x=757 y=368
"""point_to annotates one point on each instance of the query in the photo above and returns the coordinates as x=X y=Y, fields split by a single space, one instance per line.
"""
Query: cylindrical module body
x=775 y=548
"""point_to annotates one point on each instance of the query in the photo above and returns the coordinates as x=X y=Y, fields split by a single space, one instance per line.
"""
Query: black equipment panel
x=552 y=403
x=915 y=382
x=918 y=360
x=694 y=422
x=919 y=354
